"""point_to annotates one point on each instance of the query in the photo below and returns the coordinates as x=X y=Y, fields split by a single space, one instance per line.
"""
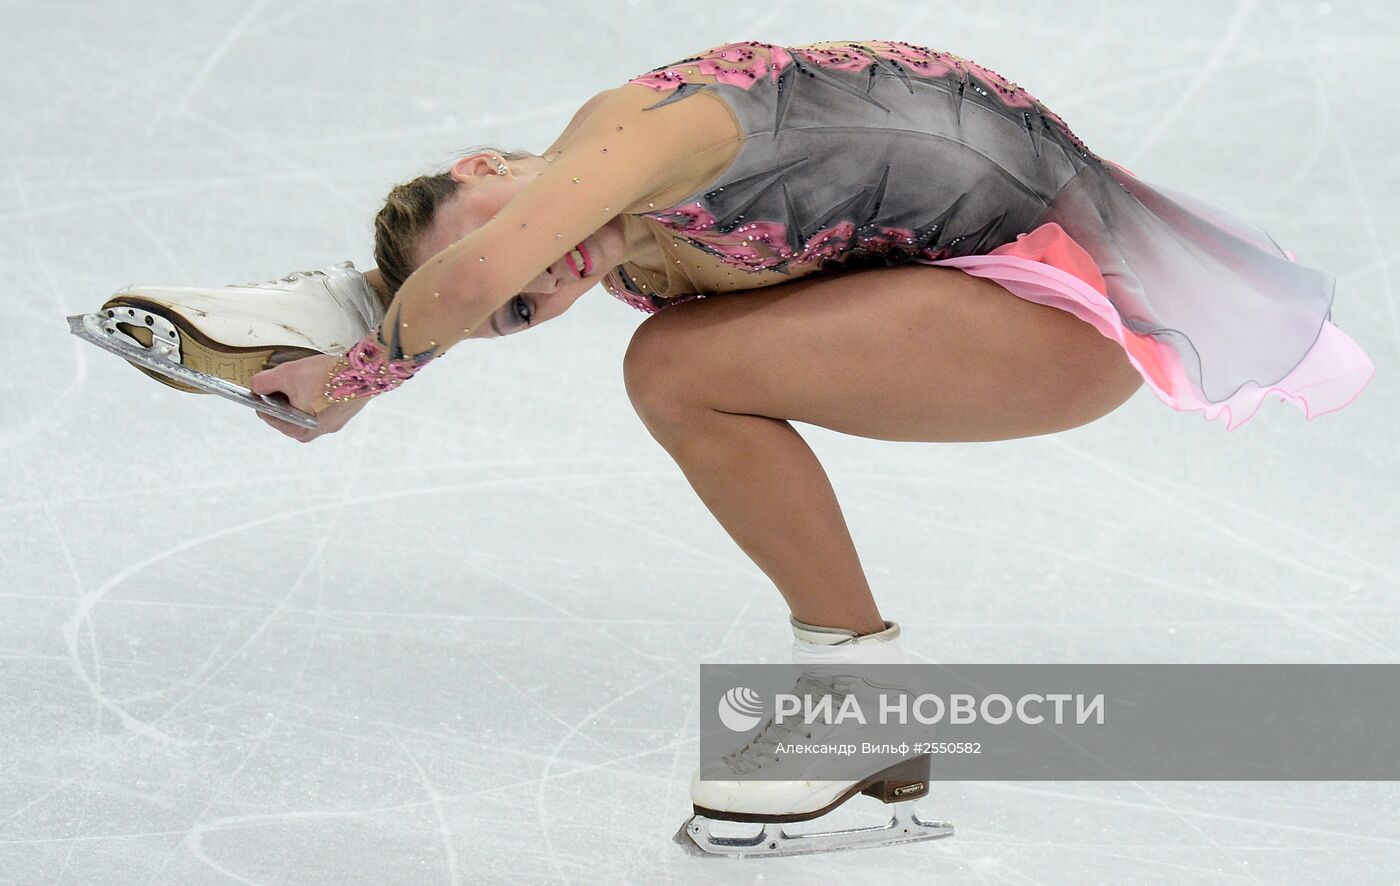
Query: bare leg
x=912 y=353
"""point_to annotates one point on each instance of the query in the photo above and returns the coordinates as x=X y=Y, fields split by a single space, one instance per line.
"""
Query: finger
x=296 y=432
x=265 y=382
x=287 y=428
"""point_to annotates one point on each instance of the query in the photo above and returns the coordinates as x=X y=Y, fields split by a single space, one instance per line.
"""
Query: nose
x=546 y=283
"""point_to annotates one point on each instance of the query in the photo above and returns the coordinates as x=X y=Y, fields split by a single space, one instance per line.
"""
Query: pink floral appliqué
x=763 y=244
x=837 y=59
x=734 y=64
x=615 y=286
x=934 y=63
x=685 y=218
x=366 y=373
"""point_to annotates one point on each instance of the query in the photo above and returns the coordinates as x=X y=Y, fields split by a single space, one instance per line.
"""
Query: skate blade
x=905 y=826
x=157 y=326
x=100 y=331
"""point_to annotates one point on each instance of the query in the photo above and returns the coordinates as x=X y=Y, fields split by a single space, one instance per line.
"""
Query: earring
x=501 y=168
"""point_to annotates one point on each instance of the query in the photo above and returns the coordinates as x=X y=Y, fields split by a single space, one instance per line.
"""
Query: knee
x=653 y=369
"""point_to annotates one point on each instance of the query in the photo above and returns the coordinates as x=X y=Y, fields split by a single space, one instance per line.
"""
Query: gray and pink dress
x=887 y=153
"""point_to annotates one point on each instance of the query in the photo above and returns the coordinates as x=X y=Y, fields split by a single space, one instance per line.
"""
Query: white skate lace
x=764 y=745
x=346 y=285
x=290 y=278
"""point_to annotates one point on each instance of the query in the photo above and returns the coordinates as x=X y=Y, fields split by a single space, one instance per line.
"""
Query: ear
x=474 y=166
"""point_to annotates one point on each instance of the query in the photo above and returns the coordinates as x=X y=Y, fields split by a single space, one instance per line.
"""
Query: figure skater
x=874 y=237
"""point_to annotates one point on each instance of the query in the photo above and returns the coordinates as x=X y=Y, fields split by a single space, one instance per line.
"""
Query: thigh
x=915 y=353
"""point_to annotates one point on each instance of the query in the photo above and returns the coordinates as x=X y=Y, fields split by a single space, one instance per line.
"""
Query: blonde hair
x=408 y=211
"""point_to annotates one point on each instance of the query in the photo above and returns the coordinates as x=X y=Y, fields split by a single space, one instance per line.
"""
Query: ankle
x=847 y=629
x=815 y=644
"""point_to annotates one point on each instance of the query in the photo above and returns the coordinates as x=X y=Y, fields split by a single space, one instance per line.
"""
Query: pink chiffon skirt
x=1210 y=310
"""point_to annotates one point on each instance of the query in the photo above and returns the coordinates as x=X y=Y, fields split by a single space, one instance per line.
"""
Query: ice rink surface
x=458 y=641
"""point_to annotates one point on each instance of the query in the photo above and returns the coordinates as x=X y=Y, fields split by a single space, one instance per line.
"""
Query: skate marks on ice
x=214 y=66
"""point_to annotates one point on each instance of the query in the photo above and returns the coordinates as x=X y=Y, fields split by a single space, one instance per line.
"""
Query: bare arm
x=376 y=279
x=580 y=115
x=619 y=153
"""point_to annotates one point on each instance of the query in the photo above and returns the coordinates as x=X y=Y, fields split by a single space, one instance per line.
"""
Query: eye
x=521 y=310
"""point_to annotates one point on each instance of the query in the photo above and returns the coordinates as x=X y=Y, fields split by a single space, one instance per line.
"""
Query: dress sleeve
x=619 y=154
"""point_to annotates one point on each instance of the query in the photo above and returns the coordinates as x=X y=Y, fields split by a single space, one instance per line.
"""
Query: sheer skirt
x=1213 y=313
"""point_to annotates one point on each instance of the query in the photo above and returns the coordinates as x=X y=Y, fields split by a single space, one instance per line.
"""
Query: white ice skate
x=214 y=340
x=718 y=796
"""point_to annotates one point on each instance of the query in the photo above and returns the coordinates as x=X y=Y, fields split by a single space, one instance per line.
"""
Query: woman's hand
x=303 y=383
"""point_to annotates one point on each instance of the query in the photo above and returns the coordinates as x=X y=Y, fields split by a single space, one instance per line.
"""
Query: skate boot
x=717 y=795
x=234 y=332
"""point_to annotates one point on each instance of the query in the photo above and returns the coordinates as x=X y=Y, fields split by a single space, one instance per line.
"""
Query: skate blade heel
x=145 y=337
x=163 y=356
x=698 y=837
x=906 y=780
x=143 y=320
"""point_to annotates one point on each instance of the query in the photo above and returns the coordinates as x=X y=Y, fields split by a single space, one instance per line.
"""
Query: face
x=481 y=194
